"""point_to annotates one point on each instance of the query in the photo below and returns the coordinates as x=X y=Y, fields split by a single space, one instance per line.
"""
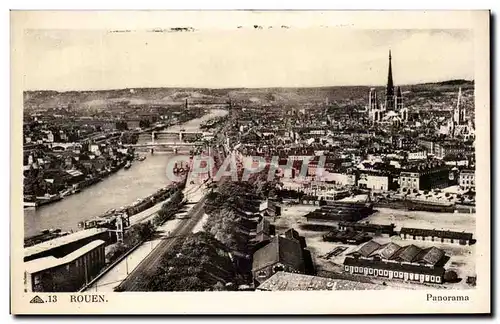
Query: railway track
x=152 y=261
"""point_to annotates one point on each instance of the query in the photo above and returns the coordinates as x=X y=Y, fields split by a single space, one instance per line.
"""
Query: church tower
x=399 y=99
x=459 y=112
x=372 y=100
x=389 y=95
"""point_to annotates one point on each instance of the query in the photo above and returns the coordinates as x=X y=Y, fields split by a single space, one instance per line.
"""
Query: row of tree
x=134 y=235
x=199 y=263
x=169 y=208
x=141 y=232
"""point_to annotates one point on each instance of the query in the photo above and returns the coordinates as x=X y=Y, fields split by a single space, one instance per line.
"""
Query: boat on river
x=30 y=204
x=48 y=199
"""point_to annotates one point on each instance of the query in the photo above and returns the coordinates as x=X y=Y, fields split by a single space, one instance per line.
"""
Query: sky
x=297 y=57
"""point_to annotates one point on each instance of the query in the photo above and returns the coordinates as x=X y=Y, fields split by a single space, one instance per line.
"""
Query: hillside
x=167 y=96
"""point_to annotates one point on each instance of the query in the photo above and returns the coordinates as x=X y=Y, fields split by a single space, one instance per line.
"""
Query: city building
x=417 y=155
x=283 y=253
x=377 y=229
x=426 y=175
x=376 y=182
x=433 y=235
x=467 y=180
x=392 y=261
x=389 y=270
x=340 y=211
x=65 y=274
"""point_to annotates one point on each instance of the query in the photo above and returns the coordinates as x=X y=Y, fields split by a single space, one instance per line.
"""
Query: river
x=120 y=189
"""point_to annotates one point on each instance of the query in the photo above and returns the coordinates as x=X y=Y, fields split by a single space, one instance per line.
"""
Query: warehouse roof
x=287 y=281
x=436 y=233
x=367 y=248
x=63 y=240
x=386 y=251
x=280 y=249
x=41 y=264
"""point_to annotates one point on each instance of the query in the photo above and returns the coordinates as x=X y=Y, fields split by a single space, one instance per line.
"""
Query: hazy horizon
x=241 y=88
x=92 y=60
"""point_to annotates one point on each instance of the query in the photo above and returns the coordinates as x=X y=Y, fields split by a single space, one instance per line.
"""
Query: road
x=152 y=261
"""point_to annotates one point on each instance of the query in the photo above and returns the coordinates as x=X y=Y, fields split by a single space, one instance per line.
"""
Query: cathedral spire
x=389 y=95
x=390 y=83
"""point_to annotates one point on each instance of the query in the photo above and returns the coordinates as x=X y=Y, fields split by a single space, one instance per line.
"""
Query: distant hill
x=456 y=82
x=100 y=99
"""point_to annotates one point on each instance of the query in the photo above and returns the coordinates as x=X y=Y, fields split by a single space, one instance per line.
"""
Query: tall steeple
x=390 y=87
x=459 y=113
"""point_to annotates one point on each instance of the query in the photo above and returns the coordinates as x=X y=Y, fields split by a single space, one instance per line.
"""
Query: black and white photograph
x=252 y=158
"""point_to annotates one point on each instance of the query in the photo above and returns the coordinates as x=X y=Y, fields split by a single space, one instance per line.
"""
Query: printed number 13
x=52 y=299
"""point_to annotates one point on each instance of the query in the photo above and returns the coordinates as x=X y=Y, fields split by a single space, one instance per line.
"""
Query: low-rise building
x=417 y=155
x=392 y=261
x=281 y=254
x=377 y=229
x=66 y=244
x=338 y=178
x=393 y=270
x=65 y=274
x=433 y=235
x=376 y=182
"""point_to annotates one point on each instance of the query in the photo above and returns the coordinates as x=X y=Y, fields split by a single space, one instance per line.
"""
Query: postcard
x=250 y=162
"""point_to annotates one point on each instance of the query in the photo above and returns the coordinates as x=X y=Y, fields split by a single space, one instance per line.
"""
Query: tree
x=193 y=265
x=219 y=286
x=144 y=123
x=450 y=276
x=115 y=252
x=121 y=125
x=142 y=231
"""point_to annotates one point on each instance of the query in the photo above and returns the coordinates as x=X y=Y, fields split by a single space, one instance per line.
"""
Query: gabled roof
x=408 y=253
x=386 y=251
x=280 y=249
x=430 y=256
x=292 y=234
x=367 y=248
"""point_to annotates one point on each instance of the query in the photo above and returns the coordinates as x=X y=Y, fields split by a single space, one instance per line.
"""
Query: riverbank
x=76 y=187
x=117 y=273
